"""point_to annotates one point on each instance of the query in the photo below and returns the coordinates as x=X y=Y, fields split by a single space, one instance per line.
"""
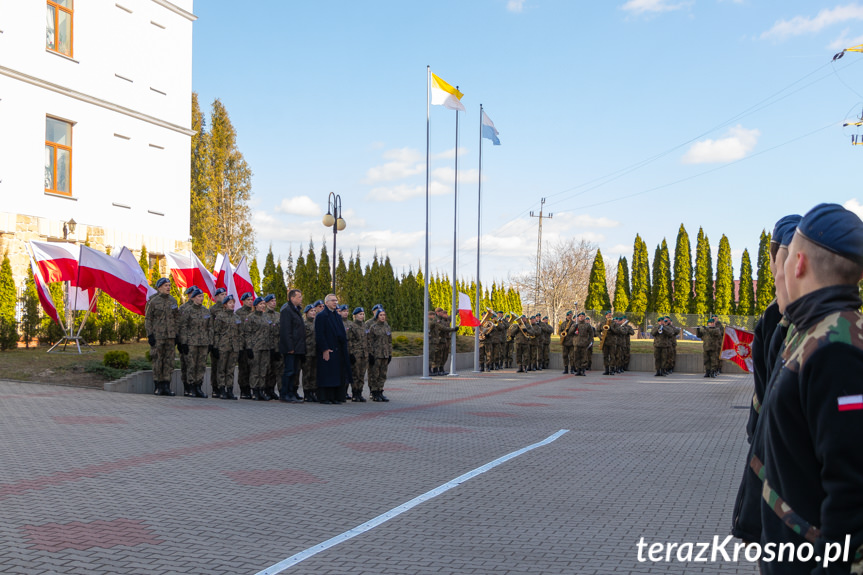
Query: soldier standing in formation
x=161 y=315
x=444 y=339
x=227 y=344
x=508 y=343
x=626 y=351
x=545 y=334
x=498 y=341
x=196 y=338
x=310 y=362
x=380 y=342
x=672 y=360
x=188 y=292
x=711 y=338
x=277 y=365
x=519 y=333
x=606 y=342
x=566 y=331
x=358 y=350
x=582 y=344
x=661 y=347
x=257 y=338
x=243 y=365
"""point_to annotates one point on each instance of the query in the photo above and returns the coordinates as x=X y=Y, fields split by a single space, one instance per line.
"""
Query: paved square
x=98 y=483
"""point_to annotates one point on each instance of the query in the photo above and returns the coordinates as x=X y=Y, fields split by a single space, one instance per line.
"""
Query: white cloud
x=299 y=206
x=806 y=25
x=854 y=206
x=449 y=154
x=844 y=41
x=578 y=221
x=404 y=162
x=515 y=5
x=653 y=6
x=735 y=145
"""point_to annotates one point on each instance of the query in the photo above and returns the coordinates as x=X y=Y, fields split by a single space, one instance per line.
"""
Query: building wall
x=127 y=91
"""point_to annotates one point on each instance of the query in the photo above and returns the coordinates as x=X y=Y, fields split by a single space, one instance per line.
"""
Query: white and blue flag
x=489 y=132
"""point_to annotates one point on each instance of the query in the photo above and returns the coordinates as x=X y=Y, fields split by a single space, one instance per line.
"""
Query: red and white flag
x=219 y=272
x=737 y=347
x=182 y=269
x=850 y=402
x=112 y=276
x=202 y=276
x=58 y=262
x=44 y=295
x=226 y=275
x=242 y=278
x=465 y=313
x=126 y=257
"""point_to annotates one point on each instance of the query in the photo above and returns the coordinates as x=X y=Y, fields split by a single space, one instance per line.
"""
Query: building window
x=58 y=157
x=58 y=32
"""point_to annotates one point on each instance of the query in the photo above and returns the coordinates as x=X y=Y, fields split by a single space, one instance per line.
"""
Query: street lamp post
x=334 y=219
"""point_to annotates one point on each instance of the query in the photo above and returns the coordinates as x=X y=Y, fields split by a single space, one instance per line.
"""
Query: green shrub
x=108 y=373
x=400 y=340
x=8 y=334
x=116 y=359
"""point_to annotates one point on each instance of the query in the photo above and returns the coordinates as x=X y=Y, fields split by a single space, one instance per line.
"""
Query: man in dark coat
x=332 y=351
x=292 y=344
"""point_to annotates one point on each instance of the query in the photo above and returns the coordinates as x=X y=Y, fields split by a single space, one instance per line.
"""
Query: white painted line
x=396 y=511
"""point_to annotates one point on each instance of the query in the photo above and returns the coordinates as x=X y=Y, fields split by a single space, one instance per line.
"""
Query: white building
x=95 y=105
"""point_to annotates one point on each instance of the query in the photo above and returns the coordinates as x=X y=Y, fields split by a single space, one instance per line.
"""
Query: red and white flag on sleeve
x=58 y=262
x=737 y=347
x=465 y=313
x=44 y=295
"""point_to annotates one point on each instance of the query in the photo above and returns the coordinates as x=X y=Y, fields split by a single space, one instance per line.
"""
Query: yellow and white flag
x=442 y=94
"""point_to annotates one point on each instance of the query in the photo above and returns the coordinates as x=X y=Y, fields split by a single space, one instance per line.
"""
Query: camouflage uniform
x=196 y=332
x=582 y=340
x=545 y=336
x=257 y=337
x=380 y=342
x=184 y=361
x=310 y=363
x=661 y=348
x=522 y=347
x=277 y=362
x=567 y=343
x=228 y=339
x=161 y=316
x=358 y=354
x=486 y=351
x=671 y=361
x=243 y=365
x=606 y=344
x=507 y=343
x=711 y=338
x=498 y=339
x=444 y=341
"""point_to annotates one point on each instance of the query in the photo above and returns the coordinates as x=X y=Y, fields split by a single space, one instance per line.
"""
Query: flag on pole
x=81 y=299
x=737 y=347
x=489 y=132
x=44 y=295
x=58 y=262
x=112 y=276
x=126 y=256
x=442 y=94
x=202 y=276
x=217 y=271
x=243 y=279
x=182 y=270
x=465 y=314
x=226 y=277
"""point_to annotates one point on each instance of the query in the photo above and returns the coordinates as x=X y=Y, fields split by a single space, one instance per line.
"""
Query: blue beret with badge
x=269 y=298
x=318 y=303
x=245 y=296
x=161 y=281
x=358 y=310
x=190 y=289
x=835 y=229
x=257 y=301
x=307 y=308
x=783 y=231
x=219 y=291
x=229 y=297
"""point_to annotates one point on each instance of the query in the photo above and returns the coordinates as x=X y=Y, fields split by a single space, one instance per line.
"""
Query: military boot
x=198 y=392
x=217 y=392
x=520 y=369
x=606 y=372
x=188 y=391
x=166 y=389
x=658 y=373
x=381 y=396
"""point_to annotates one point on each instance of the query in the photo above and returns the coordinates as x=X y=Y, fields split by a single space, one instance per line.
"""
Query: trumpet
x=660 y=329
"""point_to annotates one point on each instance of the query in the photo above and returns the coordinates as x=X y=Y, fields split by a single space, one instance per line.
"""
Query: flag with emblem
x=737 y=347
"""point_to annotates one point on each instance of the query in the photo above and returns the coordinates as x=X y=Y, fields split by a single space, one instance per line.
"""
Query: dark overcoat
x=292 y=330
x=330 y=333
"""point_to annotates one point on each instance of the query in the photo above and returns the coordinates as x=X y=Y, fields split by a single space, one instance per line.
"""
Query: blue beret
x=269 y=298
x=377 y=306
x=219 y=291
x=245 y=296
x=257 y=301
x=190 y=289
x=320 y=302
x=229 y=297
x=783 y=231
x=343 y=307
x=196 y=292
x=835 y=229
x=358 y=310
x=307 y=308
x=379 y=311
x=161 y=281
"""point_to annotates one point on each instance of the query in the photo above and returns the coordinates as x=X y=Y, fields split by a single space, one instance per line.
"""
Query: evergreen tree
x=52 y=331
x=104 y=322
x=640 y=291
x=289 y=269
x=766 y=287
x=311 y=275
x=280 y=289
x=325 y=275
x=746 y=297
x=202 y=224
x=703 y=302
x=300 y=275
x=30 y=320
x=8 y=291
x=682 y=273
x=255 y=276
x=724 y=303
x=269 y=279
x=621 y=286
x=597 y=289
x=144 y=260
x=341 y=281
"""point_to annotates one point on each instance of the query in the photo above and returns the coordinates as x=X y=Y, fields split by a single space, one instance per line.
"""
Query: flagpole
x=426 y=275
x=478 y=231
x=452 y=369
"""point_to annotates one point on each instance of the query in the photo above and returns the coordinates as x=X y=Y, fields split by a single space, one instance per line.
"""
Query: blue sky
x=629 y=117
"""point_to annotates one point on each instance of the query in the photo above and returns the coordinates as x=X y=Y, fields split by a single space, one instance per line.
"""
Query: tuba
x=487 y=323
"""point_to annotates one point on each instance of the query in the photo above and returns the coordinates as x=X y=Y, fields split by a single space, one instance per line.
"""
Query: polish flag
x=242 y=278
x=44 y=295
x=58 y=262
x=126 y=257
x=850 y=402
x=220 y=273
x=465 y=313
x=182 y=270
x=112 y=276
x=226 y=274
x=203 y=278
x=737 y=347
x=81 y=299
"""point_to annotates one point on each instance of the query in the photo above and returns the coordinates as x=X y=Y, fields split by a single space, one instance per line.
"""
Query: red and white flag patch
x=850 y=402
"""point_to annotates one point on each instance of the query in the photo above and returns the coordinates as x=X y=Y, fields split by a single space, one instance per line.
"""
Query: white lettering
x=688 y=556
x=641 y=545
x=669 y=551
x=702 y=552
x=717 y=548
x=807 y=549
x=847 y=548
x=737 y=548
x=786 y=547
x=655 y=552
x=753 y=547
x=769 y=553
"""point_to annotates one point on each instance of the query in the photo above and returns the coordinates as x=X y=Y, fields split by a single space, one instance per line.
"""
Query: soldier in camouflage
x=582 y=344
x=227 y=344
x=519 y=331
x=673 y=333
x=380 y=342
x=546 y=331
x=566 y=331
x=444 y=339
x=711 y=338
x=161 y=316
x=661 y=347
x=244 y=367
x=277 y=364
x=257 y=338
x=184 y=363
x=358 y=353
x=196 y=339
x=507 y=341
x=310 y=362
x=626 y=351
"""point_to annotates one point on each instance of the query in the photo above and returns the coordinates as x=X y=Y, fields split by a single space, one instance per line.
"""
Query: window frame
x=71 y=12
x=55 y=146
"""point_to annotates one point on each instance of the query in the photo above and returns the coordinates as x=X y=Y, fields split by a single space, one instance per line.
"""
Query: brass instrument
x=523 y=328
x=487 y=323
x=566 y=329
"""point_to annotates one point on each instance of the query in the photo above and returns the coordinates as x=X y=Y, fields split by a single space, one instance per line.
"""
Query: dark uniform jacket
x=330 y=334
x=292 y=330
x=807 y=446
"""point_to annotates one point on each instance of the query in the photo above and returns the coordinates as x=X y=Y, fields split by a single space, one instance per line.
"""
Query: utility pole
x=539 y=250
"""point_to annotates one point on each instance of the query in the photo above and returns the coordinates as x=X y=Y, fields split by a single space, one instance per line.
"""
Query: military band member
x=672 y=333
x=546 y=331
x=711 y=338
x=507 y=341
x=196 y=339
x=590 y=346
x=160 y=321
x=498 y=341
x=582 y=344
x=566 y=331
